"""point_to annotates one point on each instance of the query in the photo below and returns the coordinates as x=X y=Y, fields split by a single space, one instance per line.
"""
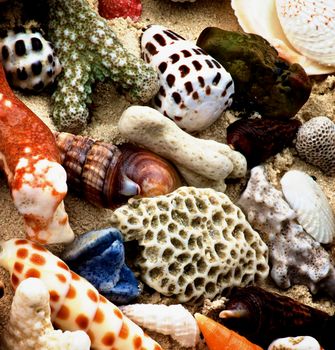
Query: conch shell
x=260 y=17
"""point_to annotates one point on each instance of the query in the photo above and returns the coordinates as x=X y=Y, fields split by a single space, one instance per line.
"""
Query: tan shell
x=268 y=26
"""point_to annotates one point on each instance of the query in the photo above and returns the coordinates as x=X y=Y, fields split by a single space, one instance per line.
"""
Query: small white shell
x=310 y=27
x=313 y=210
x=296 y=343
x=260 y=17
x=173 y=320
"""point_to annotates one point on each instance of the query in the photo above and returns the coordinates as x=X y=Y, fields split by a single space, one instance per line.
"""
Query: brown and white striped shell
x=194 y=87
x=108 y=175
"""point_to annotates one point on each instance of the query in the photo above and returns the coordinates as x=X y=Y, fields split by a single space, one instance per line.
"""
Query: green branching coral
x=89 y=51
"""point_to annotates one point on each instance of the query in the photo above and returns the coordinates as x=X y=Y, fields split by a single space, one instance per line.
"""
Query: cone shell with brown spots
x=75 y=303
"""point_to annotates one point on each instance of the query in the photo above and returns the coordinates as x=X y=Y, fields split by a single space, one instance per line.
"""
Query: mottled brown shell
x=262 y=317
x=259 y=139
x=107 y=175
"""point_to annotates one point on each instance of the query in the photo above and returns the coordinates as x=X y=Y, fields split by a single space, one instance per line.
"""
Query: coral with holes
x=194 y=243
x=316 y=143
x=194 y=87
x=295 y=256
x=90 y=51
x=28 y=59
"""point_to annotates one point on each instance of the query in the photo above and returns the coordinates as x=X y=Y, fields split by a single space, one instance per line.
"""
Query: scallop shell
x=268 y=26
x=313 y=210
x=173 y=320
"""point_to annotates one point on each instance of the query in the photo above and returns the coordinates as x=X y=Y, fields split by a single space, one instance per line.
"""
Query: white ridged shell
x=260 y=17
x=309 y=26
x=307 y=199
x=173 y=320
x=194 y=88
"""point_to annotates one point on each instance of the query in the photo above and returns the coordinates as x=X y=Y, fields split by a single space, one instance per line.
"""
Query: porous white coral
x=29 y=326
x=194 y=243
x=296 y=258
x=202 y=159
x=316 y=143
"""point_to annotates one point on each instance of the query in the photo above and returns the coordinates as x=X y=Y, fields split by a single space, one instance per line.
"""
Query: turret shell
x=173 y=320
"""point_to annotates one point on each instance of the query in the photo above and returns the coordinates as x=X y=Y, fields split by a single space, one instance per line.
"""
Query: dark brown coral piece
x=259 y=139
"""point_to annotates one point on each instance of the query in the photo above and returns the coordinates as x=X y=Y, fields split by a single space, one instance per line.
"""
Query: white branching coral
x=29 y=326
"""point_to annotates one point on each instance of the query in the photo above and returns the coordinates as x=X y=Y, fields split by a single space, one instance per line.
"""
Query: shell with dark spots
x=263 y=82
x=107 y=175
x=262 y=316
x=259 y=139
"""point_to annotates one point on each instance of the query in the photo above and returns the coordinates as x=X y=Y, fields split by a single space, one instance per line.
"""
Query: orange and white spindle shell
x=31 y=162
x=75 y=304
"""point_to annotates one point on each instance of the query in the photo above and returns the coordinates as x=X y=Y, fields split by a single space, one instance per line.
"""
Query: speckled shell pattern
x=309 y=26
x=194 y=88
x=262 y=316
x=75 y=304
x=28 y=59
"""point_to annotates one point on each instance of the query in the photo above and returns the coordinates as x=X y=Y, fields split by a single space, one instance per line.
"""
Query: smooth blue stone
x=99 y=257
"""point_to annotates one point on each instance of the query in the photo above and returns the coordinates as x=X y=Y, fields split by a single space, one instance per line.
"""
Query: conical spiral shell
x=173 y=320
x=75 y=303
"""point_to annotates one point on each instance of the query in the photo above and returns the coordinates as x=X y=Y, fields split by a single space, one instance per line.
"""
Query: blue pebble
x=99 y=257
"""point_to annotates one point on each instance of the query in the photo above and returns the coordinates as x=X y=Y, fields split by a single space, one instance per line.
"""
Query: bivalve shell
x=307 y=199
x=309 y=26
x=173 y=320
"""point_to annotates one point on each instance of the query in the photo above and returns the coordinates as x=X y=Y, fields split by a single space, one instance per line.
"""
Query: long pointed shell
x=310 y=27
x=306 y=197
x=260 y=17
x=75 y=304
x=173 y=320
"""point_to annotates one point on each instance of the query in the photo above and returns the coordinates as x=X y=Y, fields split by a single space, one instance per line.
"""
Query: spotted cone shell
x=309 y=26
x=194 y=88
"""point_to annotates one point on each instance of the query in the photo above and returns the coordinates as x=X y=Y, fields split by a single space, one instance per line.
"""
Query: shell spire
x=75 y=303
x=108 y=175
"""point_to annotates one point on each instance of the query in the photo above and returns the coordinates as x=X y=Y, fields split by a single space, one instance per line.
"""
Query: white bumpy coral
x=30 y=327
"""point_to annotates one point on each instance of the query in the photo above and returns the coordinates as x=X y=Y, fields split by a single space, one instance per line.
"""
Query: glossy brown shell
x=263 y=317
x=107 y=175
x=259 y=139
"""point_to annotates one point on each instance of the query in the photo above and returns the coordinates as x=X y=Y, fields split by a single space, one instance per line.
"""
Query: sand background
x=189 y=20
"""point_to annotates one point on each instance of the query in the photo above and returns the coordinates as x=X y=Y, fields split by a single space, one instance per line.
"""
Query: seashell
x=263 y=81
x=262 y=316
x=28 y=59
x=107 y=175
x=307 y=199
x=259 y=139
x=297 y=343
x=173 y=320
x=268 y=26
x=310 y=28
x=194 y=88
x=99 y=257
x=218 y=337
x=316 y=143
x=120 y=8
x=75 y=304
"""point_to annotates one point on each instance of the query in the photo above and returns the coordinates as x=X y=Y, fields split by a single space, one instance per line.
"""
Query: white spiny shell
x=260 y=17
x=313 y=210
x=173 y=320
x=195 y=88
x=309 y=25
x=296 y=343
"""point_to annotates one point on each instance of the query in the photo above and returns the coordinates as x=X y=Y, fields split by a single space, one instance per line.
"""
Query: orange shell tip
x=219 y=337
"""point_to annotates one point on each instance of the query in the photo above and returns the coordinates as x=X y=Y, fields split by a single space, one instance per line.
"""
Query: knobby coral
x=90 y=51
